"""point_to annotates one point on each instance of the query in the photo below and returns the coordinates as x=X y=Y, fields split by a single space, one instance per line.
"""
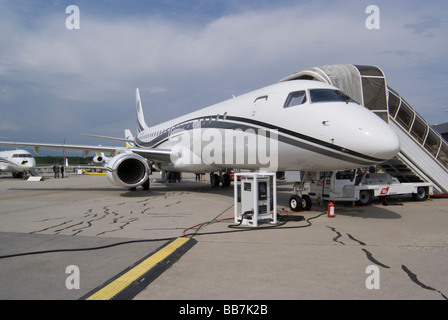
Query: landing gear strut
x=298 y=201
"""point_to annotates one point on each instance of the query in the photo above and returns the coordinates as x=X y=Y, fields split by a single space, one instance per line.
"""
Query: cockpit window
x=328 y=95
x=295 y=99
x=15 y=155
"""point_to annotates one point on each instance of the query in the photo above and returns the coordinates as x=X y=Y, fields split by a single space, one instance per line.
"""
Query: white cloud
x=157 y=90
x=95 y=70
x=116 y=51
x=8 y=126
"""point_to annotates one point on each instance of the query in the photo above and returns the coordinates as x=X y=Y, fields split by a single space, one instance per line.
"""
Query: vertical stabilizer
x=141 y=124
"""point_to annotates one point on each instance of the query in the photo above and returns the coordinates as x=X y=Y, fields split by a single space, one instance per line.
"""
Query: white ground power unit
x=255 y=198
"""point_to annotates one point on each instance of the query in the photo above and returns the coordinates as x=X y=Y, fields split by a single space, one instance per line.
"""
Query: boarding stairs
x=423 y=155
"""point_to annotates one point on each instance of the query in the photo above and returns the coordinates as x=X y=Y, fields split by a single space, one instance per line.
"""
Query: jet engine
x=99 y=159
x=127 y=170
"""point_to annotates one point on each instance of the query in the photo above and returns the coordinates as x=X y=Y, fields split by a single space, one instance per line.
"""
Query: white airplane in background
x=19 y=162
x=306 y=126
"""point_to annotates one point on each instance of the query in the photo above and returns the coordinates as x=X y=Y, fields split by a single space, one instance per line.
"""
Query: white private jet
x=299 y=125
x=18 y=162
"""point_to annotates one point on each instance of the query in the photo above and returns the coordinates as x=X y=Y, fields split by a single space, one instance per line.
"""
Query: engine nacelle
x=100 y=158
x=127 y=170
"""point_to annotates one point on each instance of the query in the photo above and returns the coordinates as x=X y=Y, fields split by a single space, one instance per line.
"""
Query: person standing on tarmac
x=56 y=171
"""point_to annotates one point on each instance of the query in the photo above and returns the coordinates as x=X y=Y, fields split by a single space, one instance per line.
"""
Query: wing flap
x=163 y=155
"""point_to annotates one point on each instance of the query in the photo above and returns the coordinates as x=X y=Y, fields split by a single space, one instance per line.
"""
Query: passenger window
x=295 y=99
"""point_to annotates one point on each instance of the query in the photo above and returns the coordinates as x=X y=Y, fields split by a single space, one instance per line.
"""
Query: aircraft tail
x=141 y=124
x=129 y=136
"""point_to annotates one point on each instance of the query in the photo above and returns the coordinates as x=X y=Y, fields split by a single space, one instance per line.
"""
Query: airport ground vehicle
x=354 y=185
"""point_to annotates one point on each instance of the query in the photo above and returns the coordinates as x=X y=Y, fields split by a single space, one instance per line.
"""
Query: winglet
x=141 y=124
x=129 y=138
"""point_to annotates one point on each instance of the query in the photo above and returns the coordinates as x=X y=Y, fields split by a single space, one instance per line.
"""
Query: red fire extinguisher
x=331 y=210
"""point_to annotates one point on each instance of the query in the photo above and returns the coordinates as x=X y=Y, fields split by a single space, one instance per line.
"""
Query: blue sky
x=57 y=83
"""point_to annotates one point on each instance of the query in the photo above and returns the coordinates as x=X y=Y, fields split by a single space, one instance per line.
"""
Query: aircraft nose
x=31 y=164
x=383 y=143
x=389 y=145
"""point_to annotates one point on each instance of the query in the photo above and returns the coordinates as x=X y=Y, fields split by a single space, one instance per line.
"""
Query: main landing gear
x=223 y=179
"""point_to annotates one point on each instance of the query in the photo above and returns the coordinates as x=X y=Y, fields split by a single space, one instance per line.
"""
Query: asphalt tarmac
x=62 y=239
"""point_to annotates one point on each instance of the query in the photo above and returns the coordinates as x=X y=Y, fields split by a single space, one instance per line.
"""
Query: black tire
x=365 y=197
x=421 y=194
x=214 y=180
x=307 y=203
x=295 y=203
x=146 y=185
x=226 y=180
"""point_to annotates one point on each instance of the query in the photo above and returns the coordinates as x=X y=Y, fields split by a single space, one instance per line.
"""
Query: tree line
x=72 y=161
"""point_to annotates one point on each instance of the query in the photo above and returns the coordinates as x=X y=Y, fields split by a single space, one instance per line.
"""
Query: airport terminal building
x=442 y=129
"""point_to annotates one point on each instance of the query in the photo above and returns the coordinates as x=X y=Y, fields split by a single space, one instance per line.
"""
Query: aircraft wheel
x=214 y=180
x=295 y=203
x=226 y=180
x=146 y=185
x=306 y=202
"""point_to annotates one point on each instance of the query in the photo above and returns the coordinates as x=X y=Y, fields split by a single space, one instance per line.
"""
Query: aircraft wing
x=163 y=155
x=37 y=146
x=109 y=138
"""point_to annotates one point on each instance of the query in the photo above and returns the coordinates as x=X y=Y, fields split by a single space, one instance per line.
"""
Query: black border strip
x=289 y=140
x=142 y=282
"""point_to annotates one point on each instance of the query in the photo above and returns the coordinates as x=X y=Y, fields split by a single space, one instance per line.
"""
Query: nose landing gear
x=300 y=203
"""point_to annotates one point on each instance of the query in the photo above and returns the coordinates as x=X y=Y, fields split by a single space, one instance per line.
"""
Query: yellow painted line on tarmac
x=119 y=284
